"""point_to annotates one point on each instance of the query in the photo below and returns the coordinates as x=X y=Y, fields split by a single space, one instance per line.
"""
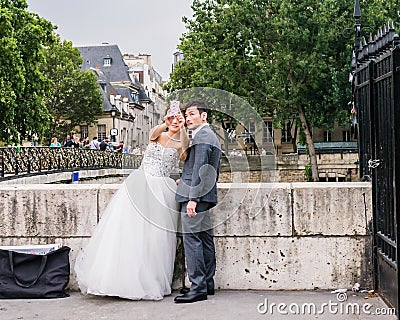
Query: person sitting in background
x=233 y=153
x=54 y=143
x=94 y=144
x=110 y=146
x=68 y=142
x=85 y=143
x=104 y=144
x=76 y=143
x=136 y=151
x=263 y=152
x=120 y=147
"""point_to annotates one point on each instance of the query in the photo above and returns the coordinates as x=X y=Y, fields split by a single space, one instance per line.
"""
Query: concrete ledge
x=268 y=236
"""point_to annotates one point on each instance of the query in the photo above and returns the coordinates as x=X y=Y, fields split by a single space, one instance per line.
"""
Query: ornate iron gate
x=377 y=99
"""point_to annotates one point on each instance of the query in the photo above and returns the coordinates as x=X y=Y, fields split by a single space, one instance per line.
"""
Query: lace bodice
x=158 y=160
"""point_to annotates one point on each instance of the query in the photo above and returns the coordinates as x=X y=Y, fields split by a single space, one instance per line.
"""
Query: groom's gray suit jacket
x=201 y=169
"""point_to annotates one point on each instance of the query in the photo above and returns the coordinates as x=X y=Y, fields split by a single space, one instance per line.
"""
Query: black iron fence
x=331 y=147
x=18 y=161
x=377 y=100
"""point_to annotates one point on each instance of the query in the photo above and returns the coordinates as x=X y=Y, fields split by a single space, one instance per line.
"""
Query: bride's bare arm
x=156 y=131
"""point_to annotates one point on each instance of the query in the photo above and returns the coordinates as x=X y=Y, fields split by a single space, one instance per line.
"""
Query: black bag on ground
x=31 y=276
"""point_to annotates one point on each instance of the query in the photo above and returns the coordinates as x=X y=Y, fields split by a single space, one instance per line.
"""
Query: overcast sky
x=136 y=26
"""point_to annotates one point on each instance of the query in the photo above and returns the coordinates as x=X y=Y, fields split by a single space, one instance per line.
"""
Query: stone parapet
x=281 y=236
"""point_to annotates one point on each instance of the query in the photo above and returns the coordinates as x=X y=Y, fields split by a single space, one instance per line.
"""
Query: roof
x=124 y=93
x=142 y=93
x=113 y=78
x=106 y=102
x=93 y=57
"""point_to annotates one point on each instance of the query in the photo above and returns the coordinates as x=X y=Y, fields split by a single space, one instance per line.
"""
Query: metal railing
x=377 y=98
x=19 y=161
x=331 y=147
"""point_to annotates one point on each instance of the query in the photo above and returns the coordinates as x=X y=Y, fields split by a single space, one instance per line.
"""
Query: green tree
x=74 y=97
x=289 y=58
x=22 y=86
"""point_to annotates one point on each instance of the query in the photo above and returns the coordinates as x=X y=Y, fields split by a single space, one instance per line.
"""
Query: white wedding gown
x=132 y=250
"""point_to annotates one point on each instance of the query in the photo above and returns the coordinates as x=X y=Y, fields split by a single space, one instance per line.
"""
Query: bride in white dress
x=132 y=250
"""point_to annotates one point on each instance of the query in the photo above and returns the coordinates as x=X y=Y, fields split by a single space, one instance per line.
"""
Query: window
x=140 y=75
x=101 y=132
x=268 y=134
x=135 y=97
x=327 y=136
x=84 y=132
x=286 y=133
x=107 y=62
x=347 y=135
x=252 y=127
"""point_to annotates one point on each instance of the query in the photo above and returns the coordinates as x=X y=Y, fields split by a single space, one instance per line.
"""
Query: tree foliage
x=42 y=89
x=289 y=58
x=74 y=97
x=22 y=86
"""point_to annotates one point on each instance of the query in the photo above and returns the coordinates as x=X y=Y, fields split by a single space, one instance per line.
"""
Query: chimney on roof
x=146 y=57
x=104 y=43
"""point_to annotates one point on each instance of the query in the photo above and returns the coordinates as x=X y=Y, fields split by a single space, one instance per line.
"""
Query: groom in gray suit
x=197 y=193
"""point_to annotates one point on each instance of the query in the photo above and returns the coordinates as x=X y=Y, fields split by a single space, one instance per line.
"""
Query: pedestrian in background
x=120 y=147
x=68 y=142
x=94 y=144
x=136 y=151
x=104 y=145
x=85 y=143
x=76 y=143
x=54 y=143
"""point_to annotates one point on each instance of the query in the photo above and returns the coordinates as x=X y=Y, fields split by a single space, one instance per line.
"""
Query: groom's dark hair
x=200 y=105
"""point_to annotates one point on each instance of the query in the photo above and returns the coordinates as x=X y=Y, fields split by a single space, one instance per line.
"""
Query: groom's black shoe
x=210 y=291
x=191 y=297
x=184 y=290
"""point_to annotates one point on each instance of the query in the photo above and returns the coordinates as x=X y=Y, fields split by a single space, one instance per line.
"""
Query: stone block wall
x=281 y=236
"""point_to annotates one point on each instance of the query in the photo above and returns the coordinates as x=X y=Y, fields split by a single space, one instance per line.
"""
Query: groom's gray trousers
x=199 y=247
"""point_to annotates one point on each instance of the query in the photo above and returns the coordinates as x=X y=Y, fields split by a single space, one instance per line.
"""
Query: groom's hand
x=191 y=208
x=177 y=181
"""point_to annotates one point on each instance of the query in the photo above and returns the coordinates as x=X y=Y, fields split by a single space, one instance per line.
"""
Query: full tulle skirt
x=132 y=250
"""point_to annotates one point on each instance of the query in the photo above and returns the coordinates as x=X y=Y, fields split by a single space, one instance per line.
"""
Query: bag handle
x=41 y=269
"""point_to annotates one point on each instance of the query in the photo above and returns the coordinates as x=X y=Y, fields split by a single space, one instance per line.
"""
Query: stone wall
x=282 y=236
x=289 y=168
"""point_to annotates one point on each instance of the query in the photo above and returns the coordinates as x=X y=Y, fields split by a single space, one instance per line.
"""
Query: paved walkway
x=225 y=304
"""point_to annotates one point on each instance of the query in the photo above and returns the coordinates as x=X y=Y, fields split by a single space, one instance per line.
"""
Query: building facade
x=142 y=72
x=127 y=107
